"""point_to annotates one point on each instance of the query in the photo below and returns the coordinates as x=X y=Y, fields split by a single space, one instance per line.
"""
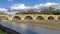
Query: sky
x=27 y=4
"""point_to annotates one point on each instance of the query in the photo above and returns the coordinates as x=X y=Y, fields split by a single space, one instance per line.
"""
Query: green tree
x=31 y=12
x=47 y=11
x=2 y=12
x=26 y=12
x=56 y=12
x=21 y=12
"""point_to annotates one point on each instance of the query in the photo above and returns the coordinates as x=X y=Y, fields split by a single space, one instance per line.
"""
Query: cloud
x=22 y=6
x=48 y=4
x=35 y=7
x=3 y=9
x=19 y=6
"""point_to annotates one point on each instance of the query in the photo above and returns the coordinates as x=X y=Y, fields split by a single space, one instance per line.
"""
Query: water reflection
x=28 y=29
x=31 y=32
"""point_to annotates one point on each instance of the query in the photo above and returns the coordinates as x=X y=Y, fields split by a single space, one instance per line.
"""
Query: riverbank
x=1 y=32
x=6 y=30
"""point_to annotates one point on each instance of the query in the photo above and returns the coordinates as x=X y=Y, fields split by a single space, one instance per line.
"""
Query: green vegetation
x=2 y=12
x=49 y=10
x=1 y=32
x=26 y=12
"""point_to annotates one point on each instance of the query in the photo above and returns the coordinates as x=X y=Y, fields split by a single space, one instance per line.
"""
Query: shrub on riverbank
x=1 y=32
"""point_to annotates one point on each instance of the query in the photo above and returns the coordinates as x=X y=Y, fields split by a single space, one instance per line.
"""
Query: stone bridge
x=30 y=17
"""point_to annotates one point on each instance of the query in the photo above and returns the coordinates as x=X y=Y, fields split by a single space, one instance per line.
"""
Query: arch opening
x=3 y=18
x=16 y=18
x=58 y=17
x=28 y=18
x=39 y=18
x=50 y=18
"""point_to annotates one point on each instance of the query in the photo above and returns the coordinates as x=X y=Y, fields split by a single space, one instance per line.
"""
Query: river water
x=28 y=29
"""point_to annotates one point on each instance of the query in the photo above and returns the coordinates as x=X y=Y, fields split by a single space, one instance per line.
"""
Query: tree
x=31 y=12
x=47 y=11
x=56 y=12
x=2 y=12
x=26 y=12
x=21 y=12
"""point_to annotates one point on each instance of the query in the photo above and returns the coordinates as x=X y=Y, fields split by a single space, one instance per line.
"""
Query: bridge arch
x=40 y=18
x=28 y=18
x=16 y=18
x=58 y=17
x=4 y=18
x=51 y=18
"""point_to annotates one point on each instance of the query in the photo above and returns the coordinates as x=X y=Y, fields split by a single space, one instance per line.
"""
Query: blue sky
x=27 y=4
x=8 y=3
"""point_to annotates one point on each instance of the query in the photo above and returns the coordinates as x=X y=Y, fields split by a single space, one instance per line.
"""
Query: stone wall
x=33 y=16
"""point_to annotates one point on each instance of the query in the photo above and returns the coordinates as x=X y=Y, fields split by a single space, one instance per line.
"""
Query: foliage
x=57 y=12
x=2 y=12
x=1 y=32
x=49 y=10
x=31 y=12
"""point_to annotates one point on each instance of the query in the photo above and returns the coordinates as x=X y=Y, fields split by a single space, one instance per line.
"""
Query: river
x=28 y=29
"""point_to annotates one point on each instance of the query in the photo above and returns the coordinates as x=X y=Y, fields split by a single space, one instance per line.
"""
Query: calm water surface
x=28 y=29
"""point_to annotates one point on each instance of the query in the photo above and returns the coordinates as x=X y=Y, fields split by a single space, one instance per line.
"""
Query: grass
x=1 y=32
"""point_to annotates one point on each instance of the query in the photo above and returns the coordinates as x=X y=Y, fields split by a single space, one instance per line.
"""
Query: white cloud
x=19 y=6
x=48 y=4
x=3 y=9
x=22 y=6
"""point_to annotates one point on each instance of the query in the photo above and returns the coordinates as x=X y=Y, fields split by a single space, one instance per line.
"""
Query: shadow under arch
x=51 y=18
x=28 y=18
x=16 y=18
x=40 y=18
x=58 y=17
x=3 y=17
